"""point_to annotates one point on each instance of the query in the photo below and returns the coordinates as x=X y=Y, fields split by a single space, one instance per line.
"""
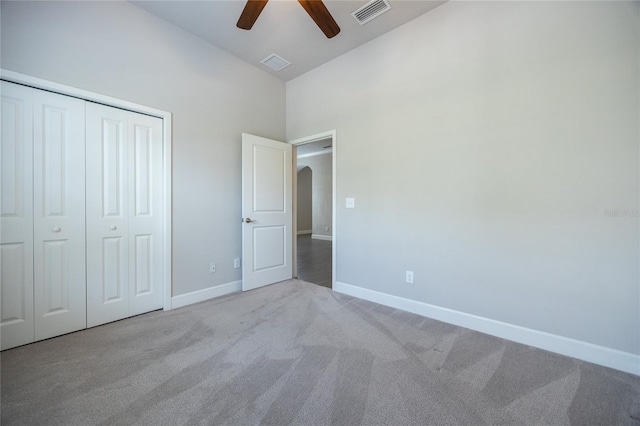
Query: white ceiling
x=314 y=148
x=283 y=28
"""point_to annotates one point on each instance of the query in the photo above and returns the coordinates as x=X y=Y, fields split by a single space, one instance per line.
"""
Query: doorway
x=315 y=209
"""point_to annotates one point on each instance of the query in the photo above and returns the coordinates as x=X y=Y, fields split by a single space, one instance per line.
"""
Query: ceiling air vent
x=371 y=10
x=275 y=62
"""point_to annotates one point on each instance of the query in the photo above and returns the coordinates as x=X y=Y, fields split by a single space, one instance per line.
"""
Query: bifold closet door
x=59 y=214
x=124 y=214
x=16 y=216
x=43 y=240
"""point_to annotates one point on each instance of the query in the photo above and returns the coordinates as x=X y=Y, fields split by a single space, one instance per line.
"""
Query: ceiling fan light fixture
x=371 y=10
x=315 y=9
x=275 y=62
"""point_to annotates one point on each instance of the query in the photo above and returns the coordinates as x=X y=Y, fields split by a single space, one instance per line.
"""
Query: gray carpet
x=297 y=353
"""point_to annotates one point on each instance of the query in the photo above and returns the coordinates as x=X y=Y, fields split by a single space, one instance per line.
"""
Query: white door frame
x=331 y=134
x=62 y=89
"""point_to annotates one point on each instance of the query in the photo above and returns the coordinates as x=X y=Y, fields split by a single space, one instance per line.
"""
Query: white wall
x=322 y=192
x=304 y=200
x=485 y=143
x=117 y=49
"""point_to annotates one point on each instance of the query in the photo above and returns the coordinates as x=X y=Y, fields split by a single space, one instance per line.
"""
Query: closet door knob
x=56 y=229
x=113 y=227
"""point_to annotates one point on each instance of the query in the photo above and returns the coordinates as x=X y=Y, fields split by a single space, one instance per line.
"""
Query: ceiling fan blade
x=319 y=13
x=250 y=13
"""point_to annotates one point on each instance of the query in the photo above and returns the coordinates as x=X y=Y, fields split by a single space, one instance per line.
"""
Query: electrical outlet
x=409 y=277
x=212 y=268
x=236 y=262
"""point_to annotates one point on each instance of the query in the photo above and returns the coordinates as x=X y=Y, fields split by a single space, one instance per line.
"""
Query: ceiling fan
x=315 y=8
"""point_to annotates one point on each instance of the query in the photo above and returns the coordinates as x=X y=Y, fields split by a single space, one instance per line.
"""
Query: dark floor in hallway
x=314 y=260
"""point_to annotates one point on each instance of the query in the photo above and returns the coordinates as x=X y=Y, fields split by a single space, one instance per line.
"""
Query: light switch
x=351 y=203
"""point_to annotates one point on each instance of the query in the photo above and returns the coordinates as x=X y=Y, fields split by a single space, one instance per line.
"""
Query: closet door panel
x=107 y=211
x=145 y=213
x=59 y=214
x=16 y=216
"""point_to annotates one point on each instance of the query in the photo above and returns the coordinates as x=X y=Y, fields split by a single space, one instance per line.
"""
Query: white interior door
x=59 y=216
x=16 y=216
x=267 y=211
x=107 y=205
x=145 y=213
x=124 y=214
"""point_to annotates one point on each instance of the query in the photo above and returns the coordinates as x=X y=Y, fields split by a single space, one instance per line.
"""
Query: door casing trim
x=301 y=141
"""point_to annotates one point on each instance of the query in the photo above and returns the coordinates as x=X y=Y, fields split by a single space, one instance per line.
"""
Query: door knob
x=113 y=227
x=56 y=229
x=249 y=220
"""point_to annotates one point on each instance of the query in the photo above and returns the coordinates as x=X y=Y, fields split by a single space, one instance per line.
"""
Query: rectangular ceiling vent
x=275 y=62
x=371 y=10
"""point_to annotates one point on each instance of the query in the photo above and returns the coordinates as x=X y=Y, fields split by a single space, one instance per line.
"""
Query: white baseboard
x=307 y=232
x=590 y=352
x=205 y=294
x=321 y=237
